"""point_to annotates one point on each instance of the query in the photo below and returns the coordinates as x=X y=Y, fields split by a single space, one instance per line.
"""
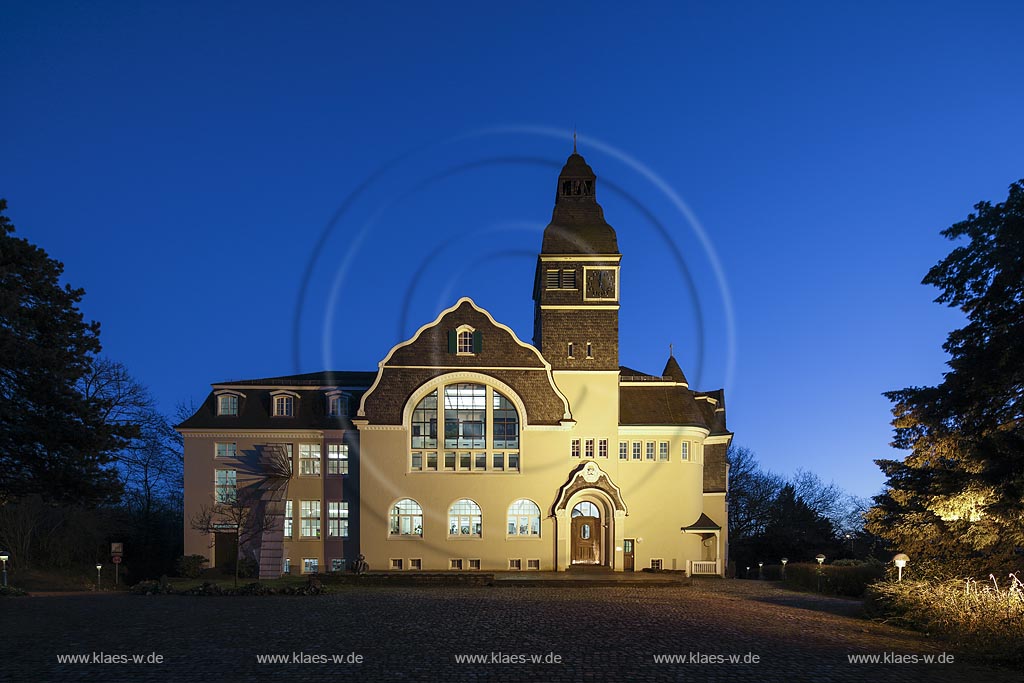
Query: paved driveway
x=579 y=633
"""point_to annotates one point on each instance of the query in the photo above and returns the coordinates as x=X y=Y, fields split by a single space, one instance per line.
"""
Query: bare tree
x=752 y=492
x=242 y=513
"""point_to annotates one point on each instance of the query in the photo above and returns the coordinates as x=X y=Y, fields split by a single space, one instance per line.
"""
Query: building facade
x=470 y=449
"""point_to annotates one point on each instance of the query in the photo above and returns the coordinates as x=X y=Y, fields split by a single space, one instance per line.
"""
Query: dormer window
x=464 y=341
x=283 y=403
x=227 y=403
x=337 y=405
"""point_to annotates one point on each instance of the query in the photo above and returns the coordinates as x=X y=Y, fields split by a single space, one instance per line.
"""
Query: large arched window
x=464 y=518
x=523 y=518
x=406 y=518
x=585 y=509
x=481 y=430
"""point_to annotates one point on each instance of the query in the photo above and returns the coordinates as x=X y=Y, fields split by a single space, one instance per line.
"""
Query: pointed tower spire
x=673 y=371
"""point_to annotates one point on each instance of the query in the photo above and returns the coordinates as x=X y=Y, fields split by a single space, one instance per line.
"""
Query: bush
x=11 y=592
x=160 y=587
x=248 y=568
x=848 y=581
x=983 y=617
x=190 y=566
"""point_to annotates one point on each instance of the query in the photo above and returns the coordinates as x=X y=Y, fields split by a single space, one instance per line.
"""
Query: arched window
x=406 y=518
x=506 y=423
x=464 y=518
x=586 y=509
x=523 y=518
x=424 y=422
x=468 y=411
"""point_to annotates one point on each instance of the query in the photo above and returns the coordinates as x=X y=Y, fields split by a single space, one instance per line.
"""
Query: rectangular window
x=656 y=565
x=284 y=406
x=396 y=563
x=432 y=462
x=663 y=451
x=337 y=519
x=416 y=563
x=455 y=564
x=474 y=564
x=226 y=450
x=225 y=488
x=623 y=450
x=515 y=564
x=338 y=565
x=590 y=448
x=650 y=450
x=288 y=519
x=480 y=461
x=570 y=349
x=636 y=450
x=590 y=350
x=602 y=448
x=309 y=518
x=309 y=459
x=464 y=461
x=310 y=565
x=337 y=458
x=287 y=565
x=685 y=452
x=498 y=462
x=513 y=462
x=227 y=405
x=533 y=564
x=575 y=448
x=417 y=462
x=283 y=451
x=449 y=461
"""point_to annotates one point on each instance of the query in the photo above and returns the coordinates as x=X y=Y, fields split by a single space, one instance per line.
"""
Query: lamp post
x=821 y=559
x=98 y=568
x=3 y=558
x=901 y=562
x=760 y=570
x=850 y=539
x=784 y=561
x=746 y=575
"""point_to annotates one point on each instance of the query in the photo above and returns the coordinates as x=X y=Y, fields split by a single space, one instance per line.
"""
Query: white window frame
x=313 y=562
x=237 y=403
x=231 y=452
x=415 y=563
x=455 y=563
x=574 y=449
x=221 y=488
x=684 y=451
x=309 y=519
x=515 y=564
x=663 y=451
x=637 y=450
x=309 y=462
x=649 y=452
x=289 y=520
x=474 y=564
x=337 y=459
x=588 y=448
x=515 y=519
x=337 y=519
x=464 y=340
x=283 y=403
x=623 y=450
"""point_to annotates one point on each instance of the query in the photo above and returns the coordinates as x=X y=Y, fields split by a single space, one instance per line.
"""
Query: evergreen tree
x=959 y=496
x=53 y=438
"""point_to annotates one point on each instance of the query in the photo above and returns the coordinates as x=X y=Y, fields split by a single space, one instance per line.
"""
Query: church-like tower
x=576 y=288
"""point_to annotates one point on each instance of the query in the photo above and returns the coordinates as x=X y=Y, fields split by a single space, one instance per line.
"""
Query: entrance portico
x=590 y=518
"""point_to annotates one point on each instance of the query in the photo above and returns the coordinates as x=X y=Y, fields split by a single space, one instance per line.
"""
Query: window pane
x=465 y=413
x=424 y=422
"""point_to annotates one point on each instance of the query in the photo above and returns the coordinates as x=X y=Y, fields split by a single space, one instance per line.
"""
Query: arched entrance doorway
x=590 y=520
x=587 y=534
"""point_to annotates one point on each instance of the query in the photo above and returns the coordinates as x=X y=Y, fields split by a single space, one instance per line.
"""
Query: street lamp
x=760 y=572
x=3 y=558
x=784 y=561
x=820 y=558
x=850 y=539
x=901 y=562
x=98 y=568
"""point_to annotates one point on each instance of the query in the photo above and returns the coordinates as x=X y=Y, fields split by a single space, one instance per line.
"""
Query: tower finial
x=670 y=351
x=574 y=139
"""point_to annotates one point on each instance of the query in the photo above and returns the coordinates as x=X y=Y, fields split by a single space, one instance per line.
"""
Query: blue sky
x=196 y=168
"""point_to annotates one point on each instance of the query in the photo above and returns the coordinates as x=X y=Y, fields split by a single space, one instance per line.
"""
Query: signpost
x=116 y=551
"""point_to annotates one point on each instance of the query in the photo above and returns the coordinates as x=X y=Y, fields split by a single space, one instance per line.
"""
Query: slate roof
x=673 y=370
x=254 y=411
x=703 y=523
x=659 y=405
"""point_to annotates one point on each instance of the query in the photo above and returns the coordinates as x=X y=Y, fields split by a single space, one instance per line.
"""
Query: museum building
x=470 y=449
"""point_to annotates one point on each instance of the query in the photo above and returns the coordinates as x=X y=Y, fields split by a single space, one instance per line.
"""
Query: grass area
x=985 y=618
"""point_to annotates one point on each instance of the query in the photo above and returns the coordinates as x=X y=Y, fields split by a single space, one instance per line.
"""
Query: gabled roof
x=324 y=378
x=640 y=404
